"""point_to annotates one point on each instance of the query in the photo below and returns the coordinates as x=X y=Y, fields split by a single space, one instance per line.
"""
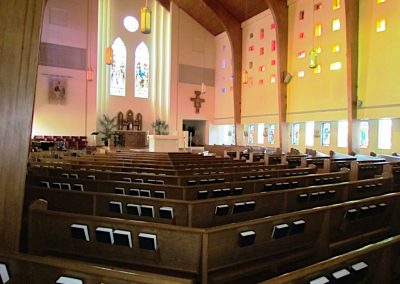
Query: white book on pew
x=104 y=235
x=122 y=238
x=148 y=241
x=57 y=185
x=73 y=176
x=115 y=206
x=147 y=210
x=166 y=212
x=80 y=231
x=45 y=184
x=66 y=186
x=5 y=277
x=77 y=186
x=68 y=280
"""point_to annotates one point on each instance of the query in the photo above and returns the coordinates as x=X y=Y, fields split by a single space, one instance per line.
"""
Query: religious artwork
x=118 y=69
x=325 y=134
x=295 y=134
x=197 y=101
x=364 y=134
x=271 y=134
x=120 y=121
x=129 y=120
x=250 y=138
x=57 y=90
x=142 y=62
x=138 y=122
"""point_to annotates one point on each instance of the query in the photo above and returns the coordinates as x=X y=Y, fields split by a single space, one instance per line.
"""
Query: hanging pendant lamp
x=145 y=19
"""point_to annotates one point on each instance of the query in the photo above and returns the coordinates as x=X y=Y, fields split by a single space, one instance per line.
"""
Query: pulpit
x=163 y=143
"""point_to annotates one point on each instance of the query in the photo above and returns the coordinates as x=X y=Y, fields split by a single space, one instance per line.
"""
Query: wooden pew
x=208 y=212
x=194 y=192
x=216 y=177
x=177 y=172
x=374 y=263
x=25 y=268
x=220 y=254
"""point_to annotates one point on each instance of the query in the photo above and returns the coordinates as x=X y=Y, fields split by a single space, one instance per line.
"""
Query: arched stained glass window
x=142 y=60
x=118 y=68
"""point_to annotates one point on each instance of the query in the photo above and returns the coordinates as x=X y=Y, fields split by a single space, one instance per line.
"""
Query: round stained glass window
x=131 y=24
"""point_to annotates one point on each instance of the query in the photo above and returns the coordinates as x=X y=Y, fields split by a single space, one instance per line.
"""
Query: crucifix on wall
x=197 y=101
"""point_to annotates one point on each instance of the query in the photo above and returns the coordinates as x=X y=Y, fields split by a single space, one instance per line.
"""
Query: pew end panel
x=175 y=248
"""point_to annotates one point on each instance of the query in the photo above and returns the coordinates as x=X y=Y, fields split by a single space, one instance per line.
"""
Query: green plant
x=160 y=127
x=108 y=125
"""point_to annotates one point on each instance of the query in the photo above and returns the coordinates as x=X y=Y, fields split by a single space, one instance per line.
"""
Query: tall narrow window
x=325 y=134
x=364 y=134
x=250 y=138
x=142 y=61
x=342 y=133
x=310 y=133
x=296 y=134
x=260 y=133
x=271 y=134
x=385 y=134
x=118 y=68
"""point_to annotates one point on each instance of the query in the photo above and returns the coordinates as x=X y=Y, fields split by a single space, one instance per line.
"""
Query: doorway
x=197 y=131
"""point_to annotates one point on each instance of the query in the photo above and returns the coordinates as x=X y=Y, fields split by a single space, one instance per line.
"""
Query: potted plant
x=160 y=127
x=108 y=125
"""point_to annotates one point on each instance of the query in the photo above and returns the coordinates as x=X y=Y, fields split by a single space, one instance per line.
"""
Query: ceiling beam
x=165 y=4
x=280 y=12
x=352 y=17
x=234 y=31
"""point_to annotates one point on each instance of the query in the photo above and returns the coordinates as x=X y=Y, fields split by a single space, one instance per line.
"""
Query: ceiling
x=240 y=10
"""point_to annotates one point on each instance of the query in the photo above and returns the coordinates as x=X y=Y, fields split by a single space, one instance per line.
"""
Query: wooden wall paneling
x=20 y=22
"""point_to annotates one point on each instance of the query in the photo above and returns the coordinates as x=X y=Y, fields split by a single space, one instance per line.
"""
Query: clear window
x=296 y=134
x=310 y=133
x=385 y=134
x=343 y=129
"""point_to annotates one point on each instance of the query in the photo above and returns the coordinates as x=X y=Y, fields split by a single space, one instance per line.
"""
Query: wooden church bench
x=278 y=241
x=26 y=268
x=208 y=212
x=374 y=263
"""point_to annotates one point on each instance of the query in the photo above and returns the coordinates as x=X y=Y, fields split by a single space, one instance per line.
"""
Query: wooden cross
x=197 y=101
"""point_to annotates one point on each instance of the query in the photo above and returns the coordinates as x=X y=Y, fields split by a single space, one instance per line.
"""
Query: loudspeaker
x=287 y=79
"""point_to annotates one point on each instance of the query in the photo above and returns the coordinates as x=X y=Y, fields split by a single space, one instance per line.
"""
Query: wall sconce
x=245 y=78
x=109 y=56
x=229 y=133
x=89 y=74
x=313 y=59
x=245 y=133
x=265 y=133
x=145 y=19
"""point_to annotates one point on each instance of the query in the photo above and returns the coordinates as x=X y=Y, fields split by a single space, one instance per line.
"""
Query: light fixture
x=203 y=88
x=145 y=19
x=245 y=78
x=109 y=56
